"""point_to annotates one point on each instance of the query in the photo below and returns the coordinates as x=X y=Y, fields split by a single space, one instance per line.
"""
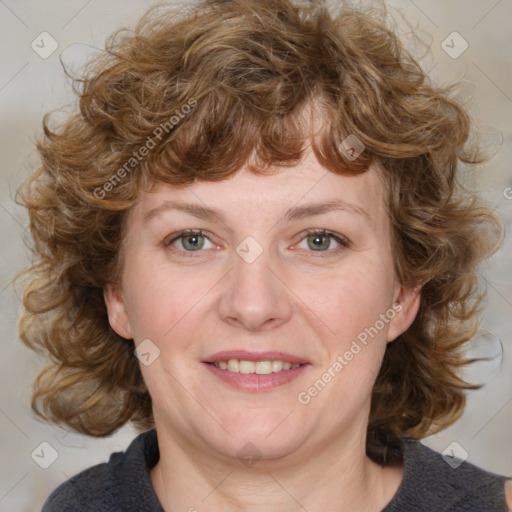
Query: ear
x=406 y=306
x=117 y=316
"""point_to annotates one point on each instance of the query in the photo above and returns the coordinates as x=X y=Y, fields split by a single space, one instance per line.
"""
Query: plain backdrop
x=32 y=83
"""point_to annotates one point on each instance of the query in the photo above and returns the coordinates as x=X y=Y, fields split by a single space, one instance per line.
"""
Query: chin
x=270 y=436
x=257 y=423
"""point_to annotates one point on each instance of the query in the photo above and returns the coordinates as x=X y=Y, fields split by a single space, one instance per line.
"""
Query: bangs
x=213 y=143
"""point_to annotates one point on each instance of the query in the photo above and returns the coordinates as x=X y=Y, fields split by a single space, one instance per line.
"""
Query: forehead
x=307 y=183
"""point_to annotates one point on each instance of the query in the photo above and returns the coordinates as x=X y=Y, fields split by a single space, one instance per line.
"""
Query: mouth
x=255 y=371
x=258 y=367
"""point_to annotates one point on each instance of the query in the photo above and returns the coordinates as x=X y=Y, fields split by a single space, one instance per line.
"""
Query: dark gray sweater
x=429 y=484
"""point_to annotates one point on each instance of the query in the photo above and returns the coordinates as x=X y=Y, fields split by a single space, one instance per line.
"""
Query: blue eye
x=191 y=241
x=318 y=241
x=323 y=241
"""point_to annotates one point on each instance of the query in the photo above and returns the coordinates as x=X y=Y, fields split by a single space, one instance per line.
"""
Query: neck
x=192 y=479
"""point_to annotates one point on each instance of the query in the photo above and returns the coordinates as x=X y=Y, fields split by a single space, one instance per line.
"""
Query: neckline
x=408 y=449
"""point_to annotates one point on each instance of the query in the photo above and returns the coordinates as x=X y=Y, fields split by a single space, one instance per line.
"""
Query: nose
x=255 y=296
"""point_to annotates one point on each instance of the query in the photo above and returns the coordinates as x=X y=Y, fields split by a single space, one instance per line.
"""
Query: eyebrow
x=295 y=213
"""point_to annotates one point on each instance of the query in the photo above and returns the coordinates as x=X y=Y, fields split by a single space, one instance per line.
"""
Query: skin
x=508 y=493
x=293 y=298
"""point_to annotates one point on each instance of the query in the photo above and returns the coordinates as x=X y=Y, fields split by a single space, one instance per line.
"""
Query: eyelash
x=344 y=242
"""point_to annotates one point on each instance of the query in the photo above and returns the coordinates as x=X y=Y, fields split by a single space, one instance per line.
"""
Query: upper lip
x=226 y=355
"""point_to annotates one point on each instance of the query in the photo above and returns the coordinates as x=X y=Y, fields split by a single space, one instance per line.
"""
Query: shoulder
x=85 y=491
x=444 y=483
x=119 y=484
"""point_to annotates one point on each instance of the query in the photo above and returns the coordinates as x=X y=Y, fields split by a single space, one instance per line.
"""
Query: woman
x=250 y=237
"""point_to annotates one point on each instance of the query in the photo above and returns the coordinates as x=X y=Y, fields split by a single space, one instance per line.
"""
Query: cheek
x=150 y=297
x=350 y=307
x=348 y=302
x=161 y=300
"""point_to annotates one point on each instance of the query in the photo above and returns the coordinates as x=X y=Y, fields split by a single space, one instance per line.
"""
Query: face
x=261 y=274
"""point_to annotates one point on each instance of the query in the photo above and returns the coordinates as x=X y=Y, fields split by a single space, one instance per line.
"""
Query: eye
x=190 y=241
x=322 y=241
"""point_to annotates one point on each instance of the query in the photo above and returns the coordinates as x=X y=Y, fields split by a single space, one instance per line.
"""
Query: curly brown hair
x=196 y=95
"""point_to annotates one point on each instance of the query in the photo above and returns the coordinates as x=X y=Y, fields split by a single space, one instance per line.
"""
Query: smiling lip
x=253 y=356
x=253 y=381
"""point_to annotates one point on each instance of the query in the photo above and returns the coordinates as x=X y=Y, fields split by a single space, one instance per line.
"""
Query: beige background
x=31 y=85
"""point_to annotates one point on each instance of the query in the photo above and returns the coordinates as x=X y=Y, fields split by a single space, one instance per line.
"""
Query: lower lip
x=254 y=381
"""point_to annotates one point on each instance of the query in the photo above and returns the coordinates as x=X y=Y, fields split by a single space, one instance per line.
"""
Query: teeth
x=263 y=367
x=259 y=367
x=277 y=366
x=247 y=367
x=234 y=365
